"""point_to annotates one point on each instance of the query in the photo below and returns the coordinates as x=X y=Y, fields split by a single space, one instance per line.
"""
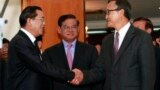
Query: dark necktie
x=36 y=45
x=37 y=48
x=116 y=43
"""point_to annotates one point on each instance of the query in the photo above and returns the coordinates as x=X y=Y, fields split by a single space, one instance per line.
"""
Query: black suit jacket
x=134 y=66
x=84 y=58
x=27 y=71
x=157 y=83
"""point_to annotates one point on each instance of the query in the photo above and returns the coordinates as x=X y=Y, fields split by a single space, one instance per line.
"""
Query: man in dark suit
x=27 y=70
x=127 y=59
x=83 y=55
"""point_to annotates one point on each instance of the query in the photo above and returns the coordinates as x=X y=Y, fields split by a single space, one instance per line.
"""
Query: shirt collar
x=66 y=43
x=31 y=37
x=122 y=32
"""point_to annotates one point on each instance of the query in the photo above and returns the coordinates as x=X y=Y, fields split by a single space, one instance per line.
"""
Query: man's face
x=140 y=24
x=69 y=30
x=4 y=51
x=112 y=14
x=38 y=23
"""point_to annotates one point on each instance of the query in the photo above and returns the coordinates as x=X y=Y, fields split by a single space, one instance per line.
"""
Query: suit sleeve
x=97 y=73
x=99 y=84
x=33 y=61
x=147 y=63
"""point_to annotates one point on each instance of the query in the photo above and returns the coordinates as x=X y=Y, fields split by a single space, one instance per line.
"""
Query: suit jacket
x=27 y=71
x=84 y=58
x=132 y=69
x=157 y=83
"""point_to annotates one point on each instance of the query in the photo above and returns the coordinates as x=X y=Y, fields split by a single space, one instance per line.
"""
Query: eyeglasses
x=41 y=19
x=68 y=27
x=108 y=11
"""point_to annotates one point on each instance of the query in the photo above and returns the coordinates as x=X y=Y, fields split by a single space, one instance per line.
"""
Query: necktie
x=36 y=46
x=38 y=50
x=69 y=56
x=116 y=43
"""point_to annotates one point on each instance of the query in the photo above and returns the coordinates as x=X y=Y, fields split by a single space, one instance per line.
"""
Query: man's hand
x=78 y=77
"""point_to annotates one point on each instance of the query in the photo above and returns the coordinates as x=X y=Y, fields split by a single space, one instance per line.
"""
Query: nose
x=106 y=16
x=44 y=23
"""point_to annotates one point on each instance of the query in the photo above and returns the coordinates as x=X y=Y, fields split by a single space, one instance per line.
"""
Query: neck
x=30 y=30
x=121 y=24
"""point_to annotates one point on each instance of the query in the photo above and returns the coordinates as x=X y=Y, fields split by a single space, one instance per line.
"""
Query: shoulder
x=108 y=38
x=138 y=31
x=85 y=45
x=54 y=47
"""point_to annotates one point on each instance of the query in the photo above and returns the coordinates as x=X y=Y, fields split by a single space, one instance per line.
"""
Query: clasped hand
x=77 y=78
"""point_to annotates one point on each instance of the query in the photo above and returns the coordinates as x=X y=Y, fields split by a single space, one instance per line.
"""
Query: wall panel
x=52 y=10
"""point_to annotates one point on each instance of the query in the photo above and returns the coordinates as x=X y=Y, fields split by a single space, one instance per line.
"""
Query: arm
x=32 y=61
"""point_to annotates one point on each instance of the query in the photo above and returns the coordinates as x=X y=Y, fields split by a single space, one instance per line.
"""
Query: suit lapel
x=126 y=42
x=23 y=35
x=78 y=54
x=111 y=42
x=61 y=51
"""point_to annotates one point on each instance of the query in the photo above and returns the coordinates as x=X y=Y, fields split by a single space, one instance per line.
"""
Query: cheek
x=76 y=34
x=114 y=18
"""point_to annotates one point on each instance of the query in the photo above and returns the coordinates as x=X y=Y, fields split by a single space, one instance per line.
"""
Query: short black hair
x=65 y=17
x=5 y=41
x=125 y=5
x=28 y=12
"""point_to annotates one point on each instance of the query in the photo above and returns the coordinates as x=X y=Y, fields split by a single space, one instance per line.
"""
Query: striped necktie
x=69 y=56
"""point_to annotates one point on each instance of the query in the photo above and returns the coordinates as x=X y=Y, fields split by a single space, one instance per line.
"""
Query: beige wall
x=11 y=14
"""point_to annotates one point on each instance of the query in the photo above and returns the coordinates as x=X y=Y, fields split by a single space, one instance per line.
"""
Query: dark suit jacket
x=157 y=83
x=26 y=69
x=84 y=59
x=132 y=69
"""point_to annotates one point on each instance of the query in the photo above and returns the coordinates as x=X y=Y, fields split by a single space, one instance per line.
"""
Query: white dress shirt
x=122 y=33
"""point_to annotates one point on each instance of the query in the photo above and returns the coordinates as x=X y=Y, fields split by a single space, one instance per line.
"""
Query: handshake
x=77 y=78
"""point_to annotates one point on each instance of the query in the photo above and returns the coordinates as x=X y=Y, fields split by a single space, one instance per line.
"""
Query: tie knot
x=35 y=41
x=117 y=34
x=69 y=46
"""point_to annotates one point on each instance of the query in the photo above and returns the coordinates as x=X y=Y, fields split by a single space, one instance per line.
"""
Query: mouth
x=43 y=28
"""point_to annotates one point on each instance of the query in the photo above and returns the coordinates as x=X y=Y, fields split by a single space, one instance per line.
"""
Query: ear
x=29 y=21
x=121 y=12
x=59 y=30
x=149 y=30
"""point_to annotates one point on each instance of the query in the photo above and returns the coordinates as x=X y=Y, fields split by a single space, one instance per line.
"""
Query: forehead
x=39 y=13
x=112 y=4
x=140 y=22
x=70 y=21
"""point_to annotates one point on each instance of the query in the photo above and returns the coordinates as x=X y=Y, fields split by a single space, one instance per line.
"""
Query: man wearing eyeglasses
x=127 y=60
x=83 y=55
x=27 y=70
